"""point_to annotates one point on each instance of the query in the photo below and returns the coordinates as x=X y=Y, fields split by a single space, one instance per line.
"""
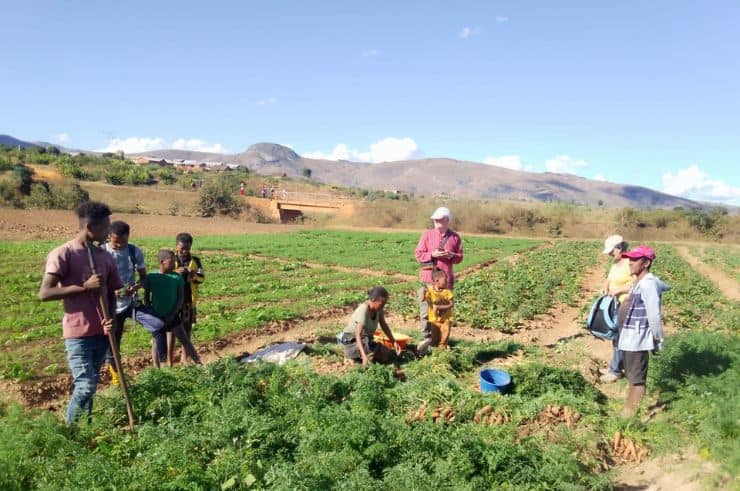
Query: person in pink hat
x=438 y=249
x=642 y=325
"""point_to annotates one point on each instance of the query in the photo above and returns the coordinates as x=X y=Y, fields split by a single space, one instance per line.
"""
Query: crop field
x=243 y=292
x=724 y=258
x=263 y=426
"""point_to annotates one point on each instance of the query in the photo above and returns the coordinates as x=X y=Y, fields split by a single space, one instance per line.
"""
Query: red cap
x=640 y=252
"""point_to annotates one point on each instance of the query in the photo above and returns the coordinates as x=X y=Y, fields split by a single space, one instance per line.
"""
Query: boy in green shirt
x=161 y=314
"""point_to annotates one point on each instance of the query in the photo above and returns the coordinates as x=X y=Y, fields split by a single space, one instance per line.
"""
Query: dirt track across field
x=17 y=225
x=726 y=285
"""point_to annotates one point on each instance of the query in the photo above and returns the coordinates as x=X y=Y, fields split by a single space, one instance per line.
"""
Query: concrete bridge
x=290 y=206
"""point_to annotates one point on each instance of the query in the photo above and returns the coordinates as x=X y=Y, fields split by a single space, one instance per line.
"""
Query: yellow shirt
x=436 y=297
x=619 y=277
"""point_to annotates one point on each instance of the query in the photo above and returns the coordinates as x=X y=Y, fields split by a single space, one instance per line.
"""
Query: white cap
x=440 y=213
x=611 y=242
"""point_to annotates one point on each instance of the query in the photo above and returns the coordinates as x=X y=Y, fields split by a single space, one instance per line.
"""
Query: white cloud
x=501 y=18
x=61 y=137
x=507 y=161
x=468 y=32
x=135 y=144
x=340 y=152
x=197 y=145
x=368 y=53
x=565 y=164
x=599 y=177
x=385 y=150
x=693 y=183
x=270 y=101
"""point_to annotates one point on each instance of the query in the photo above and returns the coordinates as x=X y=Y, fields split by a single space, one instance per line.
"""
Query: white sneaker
x=609 y=378
x=603 y=371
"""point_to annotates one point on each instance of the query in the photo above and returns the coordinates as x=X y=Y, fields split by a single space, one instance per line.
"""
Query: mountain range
x=430 y=177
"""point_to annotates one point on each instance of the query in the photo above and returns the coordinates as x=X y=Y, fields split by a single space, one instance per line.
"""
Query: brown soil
x=19 y=225
x=683 y=470
x=726 y=285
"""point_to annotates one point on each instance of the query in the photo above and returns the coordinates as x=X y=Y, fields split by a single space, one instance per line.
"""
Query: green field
x=261 y=426
x=240 y=293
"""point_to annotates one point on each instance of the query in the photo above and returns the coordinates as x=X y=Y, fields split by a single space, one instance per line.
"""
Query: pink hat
x=640 y=252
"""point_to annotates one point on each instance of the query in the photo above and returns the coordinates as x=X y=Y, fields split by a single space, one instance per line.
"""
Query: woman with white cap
x=617 y=284
x=438 y=248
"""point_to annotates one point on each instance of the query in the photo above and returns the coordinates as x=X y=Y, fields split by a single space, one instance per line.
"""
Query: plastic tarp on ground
x=277 y=353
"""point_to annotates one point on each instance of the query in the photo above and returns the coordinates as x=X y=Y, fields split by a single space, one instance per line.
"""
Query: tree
x=306 y=172
x=218 y=197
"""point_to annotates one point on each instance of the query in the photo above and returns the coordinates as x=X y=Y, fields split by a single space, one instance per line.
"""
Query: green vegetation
x=693 y=302
x=504 y=296
x=698 y=379
x=262 y=426
x=265 y=426
x=726 y=259
x=386 y=252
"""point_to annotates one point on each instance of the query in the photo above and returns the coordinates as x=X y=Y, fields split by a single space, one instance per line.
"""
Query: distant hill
x=9 y=141
x=432 y=176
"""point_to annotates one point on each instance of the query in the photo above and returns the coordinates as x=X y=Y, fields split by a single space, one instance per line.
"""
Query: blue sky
x=633 y=92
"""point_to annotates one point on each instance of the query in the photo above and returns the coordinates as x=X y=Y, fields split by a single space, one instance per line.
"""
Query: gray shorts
x=352 y=352
x=636 y=366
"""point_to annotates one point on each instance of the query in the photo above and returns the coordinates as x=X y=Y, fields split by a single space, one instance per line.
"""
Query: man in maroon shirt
x=438 y=248
x=68 y=277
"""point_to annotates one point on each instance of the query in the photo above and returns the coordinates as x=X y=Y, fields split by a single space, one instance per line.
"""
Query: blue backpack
x=602 y=319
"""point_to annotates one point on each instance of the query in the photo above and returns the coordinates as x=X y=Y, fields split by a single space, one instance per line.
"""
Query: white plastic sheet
x=277 y=353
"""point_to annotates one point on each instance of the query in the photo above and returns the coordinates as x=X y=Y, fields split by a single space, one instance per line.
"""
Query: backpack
x=602 y=319
x=132 y=256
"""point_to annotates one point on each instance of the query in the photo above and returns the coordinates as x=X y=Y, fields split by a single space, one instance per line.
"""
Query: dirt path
x=62 y=224
x=726 y=285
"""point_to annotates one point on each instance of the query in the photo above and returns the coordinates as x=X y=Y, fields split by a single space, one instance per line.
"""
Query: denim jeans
x=147 y=318
x=617 y=364
x=85 y=356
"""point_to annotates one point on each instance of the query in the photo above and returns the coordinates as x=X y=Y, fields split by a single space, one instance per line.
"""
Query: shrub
x=217 y=197
x=48 y=196
x=708 y=223
x=69 y=168
x=115 y=175
x=167 y=175
x=9 y=195
x=23 y=178
x=136 y=175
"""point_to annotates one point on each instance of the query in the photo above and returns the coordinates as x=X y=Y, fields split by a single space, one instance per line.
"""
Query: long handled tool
x=103 y=297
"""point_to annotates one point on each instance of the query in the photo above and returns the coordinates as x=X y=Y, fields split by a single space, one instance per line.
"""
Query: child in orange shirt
x=440 y=300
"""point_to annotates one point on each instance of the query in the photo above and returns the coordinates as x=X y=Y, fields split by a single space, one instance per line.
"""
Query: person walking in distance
x=68 y=277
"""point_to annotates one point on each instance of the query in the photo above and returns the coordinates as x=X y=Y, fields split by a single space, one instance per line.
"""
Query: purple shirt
x=430 y=241
x=83 y=315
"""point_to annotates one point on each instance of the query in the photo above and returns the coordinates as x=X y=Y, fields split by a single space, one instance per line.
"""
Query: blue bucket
x=492 y=380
